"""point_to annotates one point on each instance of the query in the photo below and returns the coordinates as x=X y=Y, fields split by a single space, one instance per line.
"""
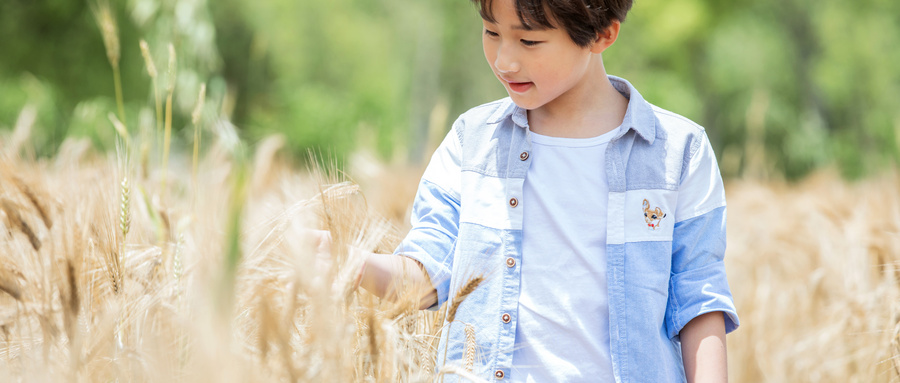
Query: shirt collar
x=638 y=117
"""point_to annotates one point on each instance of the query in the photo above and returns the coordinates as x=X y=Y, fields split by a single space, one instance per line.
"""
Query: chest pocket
x=649 y=215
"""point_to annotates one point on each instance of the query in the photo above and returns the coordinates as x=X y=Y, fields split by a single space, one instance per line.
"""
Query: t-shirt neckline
x=541 y=139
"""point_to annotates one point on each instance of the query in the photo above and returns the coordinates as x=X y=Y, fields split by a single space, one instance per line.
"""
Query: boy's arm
x=385 y=275
x=700 y=309
x=381 y=272
x=703 y=349
x=420 y=267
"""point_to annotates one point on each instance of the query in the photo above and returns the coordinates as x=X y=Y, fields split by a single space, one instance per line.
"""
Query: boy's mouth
x=519 y=87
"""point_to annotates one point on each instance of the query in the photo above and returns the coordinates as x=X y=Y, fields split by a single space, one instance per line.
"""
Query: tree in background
x=783 y=87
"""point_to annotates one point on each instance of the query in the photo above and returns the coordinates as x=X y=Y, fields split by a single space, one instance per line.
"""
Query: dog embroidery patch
x=652 y=217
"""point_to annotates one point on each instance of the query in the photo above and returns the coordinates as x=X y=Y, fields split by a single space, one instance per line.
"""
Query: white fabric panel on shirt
x=701 y=188
x=443 y=169
x=562 y=330
x=491 y=208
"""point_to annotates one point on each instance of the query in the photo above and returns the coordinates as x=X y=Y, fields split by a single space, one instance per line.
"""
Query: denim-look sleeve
x=698 y=284
x=435 y=215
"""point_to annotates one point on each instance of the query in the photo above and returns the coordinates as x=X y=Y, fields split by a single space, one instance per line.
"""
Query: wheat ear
x=154 y=78
x=125 y=211
x=469 y=358
x=8 y=285
x=32 y=197
x=15 y=220
x=106 y=20
x=121 y=129
x=458 y=299
x=461 y=295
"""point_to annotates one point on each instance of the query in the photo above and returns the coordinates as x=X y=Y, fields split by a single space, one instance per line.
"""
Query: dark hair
x=581 y=19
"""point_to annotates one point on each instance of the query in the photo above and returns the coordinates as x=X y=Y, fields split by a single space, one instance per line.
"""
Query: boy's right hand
x=325 y=260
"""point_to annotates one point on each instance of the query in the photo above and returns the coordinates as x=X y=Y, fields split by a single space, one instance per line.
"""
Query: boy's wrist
x=357 y=281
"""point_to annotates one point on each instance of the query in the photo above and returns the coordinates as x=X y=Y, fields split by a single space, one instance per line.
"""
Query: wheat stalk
x=372 y=328
x=196 y=119
x=154 y=78
x=170 y=89
x=106 y=20
x=120 y=129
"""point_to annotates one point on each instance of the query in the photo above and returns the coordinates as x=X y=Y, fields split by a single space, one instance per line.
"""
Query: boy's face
x=538 y=67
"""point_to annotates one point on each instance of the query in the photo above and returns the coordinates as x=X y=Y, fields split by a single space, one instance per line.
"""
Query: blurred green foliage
x=782 y=86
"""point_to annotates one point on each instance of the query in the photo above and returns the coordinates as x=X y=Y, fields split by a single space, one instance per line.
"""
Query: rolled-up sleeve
x=435 y=215
x=698 y=284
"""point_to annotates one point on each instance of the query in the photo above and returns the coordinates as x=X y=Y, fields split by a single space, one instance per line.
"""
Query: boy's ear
x=607 y=37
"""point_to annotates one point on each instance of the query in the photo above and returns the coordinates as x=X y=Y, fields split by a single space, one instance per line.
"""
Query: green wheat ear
x=125 y=212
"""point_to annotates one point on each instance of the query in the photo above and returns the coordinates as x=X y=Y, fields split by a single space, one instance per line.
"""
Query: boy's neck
x=590 y=109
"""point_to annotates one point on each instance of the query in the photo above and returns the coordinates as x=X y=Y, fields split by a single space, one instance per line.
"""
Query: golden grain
x=461 y=295
x=15 y=220
x=469 y=356
x=813 y=267
x=10 y=286
x=35 y=201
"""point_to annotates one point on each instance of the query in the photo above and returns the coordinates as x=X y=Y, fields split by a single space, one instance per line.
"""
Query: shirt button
x=498 y=374
x=510 y=262
x=513 y=202
x=505 y=318
x=523 y=156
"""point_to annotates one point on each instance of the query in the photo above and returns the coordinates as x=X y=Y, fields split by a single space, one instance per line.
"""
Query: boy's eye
x=491 y=33
x=530 y=43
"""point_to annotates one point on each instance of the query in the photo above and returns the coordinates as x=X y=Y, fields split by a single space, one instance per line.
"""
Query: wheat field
x=114 y=268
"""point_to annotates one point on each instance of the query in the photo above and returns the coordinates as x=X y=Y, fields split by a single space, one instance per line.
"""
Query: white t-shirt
x=562 y=333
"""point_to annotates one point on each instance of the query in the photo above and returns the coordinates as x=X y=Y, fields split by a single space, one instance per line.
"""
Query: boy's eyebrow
x=529 y=27
x=522 y=27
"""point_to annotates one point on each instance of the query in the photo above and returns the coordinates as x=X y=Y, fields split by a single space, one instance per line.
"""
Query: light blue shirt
x=665 y=235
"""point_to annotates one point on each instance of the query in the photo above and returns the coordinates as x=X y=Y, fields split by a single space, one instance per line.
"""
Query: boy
x=597 y=218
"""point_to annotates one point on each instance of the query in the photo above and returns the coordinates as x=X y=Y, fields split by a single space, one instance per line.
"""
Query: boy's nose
x=505 y=62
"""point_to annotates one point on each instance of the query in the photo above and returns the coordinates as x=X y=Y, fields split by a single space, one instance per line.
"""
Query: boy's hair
x=581 y=19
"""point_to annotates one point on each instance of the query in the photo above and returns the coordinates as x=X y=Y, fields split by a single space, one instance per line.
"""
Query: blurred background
x=783 y=86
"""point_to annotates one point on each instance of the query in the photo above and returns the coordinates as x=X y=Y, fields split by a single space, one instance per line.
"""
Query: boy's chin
x=520 y=102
